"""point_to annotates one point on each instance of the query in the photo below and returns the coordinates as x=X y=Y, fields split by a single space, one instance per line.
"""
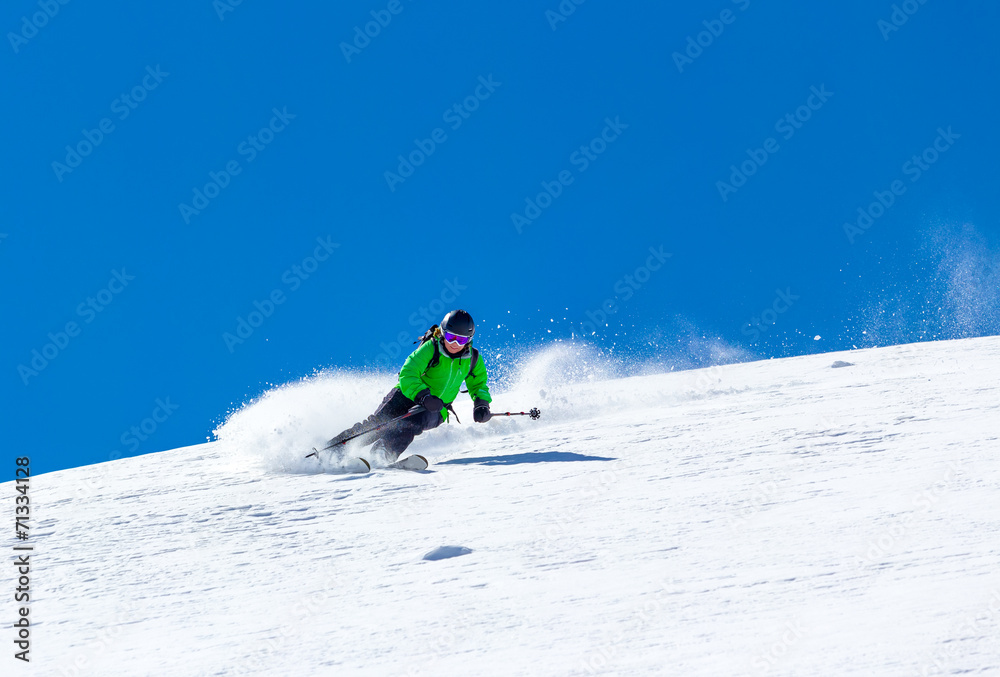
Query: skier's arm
x=410 y=382
x=476 y=382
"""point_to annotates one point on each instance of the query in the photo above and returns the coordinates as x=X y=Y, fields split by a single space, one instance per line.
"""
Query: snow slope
x=781 y=517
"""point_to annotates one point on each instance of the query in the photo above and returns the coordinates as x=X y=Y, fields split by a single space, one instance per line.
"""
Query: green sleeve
x=410 y=382
x=476 y=381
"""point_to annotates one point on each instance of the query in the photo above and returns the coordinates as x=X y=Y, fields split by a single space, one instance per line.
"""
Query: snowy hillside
x=783 y=517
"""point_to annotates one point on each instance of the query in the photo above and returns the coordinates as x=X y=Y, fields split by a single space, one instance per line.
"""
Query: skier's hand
x=481 y=411
x=429 y=402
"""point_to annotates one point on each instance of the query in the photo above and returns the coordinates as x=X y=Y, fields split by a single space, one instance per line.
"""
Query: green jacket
x=446 y=378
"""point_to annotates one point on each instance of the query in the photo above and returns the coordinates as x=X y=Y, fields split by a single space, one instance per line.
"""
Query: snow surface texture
x=780 y=517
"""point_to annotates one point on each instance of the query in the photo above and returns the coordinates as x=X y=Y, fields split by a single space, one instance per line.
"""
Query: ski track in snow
x=779 y=517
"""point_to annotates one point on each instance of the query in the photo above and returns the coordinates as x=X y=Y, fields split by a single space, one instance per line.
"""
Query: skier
x=430 y=378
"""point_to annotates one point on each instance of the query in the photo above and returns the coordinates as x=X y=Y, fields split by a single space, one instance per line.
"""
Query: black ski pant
x=398 y=436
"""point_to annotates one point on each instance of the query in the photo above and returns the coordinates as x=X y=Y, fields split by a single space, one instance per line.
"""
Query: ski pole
x=412 y=412
x=533 y=413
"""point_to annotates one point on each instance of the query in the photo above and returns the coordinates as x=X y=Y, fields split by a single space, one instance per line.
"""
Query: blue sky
x=173 y=171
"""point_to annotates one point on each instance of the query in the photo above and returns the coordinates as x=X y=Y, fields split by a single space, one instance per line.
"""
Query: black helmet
x=458 y=322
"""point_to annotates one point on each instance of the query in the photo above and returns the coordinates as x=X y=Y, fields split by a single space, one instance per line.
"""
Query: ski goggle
x=455 y=338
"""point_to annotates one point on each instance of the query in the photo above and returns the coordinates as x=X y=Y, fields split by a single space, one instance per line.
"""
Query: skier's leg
x=393 y=404
x=399 y=436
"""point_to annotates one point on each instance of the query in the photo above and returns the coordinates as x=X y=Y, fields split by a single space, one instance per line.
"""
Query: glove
x=481 y=411
x=429 y=402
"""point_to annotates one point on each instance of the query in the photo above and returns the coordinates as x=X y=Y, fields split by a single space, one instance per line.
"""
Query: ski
x=415 y=462
x=349 y=465
x=358 y=465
